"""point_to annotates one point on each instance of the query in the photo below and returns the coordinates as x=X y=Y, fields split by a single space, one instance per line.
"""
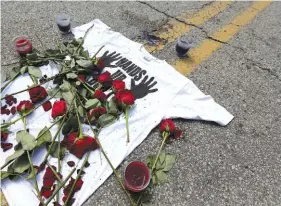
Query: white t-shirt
x=162 y=93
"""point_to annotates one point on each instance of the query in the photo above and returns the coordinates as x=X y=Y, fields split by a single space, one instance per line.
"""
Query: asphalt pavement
x=239 y=164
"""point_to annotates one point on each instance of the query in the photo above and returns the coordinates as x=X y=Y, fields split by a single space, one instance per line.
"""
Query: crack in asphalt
x=184 y=22
x=269 y=70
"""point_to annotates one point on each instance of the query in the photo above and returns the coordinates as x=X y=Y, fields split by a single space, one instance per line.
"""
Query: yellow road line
x=174 y=29
x=205 y=50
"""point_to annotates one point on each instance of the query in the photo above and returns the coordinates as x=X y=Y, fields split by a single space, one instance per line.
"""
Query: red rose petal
x=13 y=110
x=70 y=163
x=4 y=136
x=47 y=106
x=8 y=112
x=6 y=146
x=177 y=134
x=46 y=192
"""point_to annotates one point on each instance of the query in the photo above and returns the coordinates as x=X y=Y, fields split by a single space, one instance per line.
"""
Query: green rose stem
x=60 y=186
x=34 y=178
x=86 y=86
x=24 y=123
x=127 y=124
x=57 y=133
x=78 y=119
x=3 y=166
x=34 y=80
x=165 y=136
x=12 y=79
x=77 y=177
x=59 y=166
x=114 y=171
x=46 y=80
x=78 y=47
x=30 y=111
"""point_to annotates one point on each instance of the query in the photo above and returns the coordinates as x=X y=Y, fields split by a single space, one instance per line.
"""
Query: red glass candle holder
x=23 y=45
x=136 y=176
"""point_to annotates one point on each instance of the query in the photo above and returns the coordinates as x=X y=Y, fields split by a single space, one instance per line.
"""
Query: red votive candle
x=136 y=176
x=23 y=45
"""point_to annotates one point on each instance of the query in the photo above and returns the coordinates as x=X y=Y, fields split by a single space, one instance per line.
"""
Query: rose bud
x=24 y=106
x=47 y=106
x=100 y=95
x=6 y=146
x=95 y=113
x=105 y=79
x=125 y=97
x=59 y=108
x=118 y=85
x=167 y=125
x=37 y=94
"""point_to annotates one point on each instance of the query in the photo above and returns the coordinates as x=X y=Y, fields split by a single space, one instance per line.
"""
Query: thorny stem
x=166 y=134
x=13 y=122
x=127 y=124
x=34 y=178
x=78 y=119
x=60 y=186
x=59 y=166
x=84 y=38
x=2 y=88
x=77 y=178
x=114 y=171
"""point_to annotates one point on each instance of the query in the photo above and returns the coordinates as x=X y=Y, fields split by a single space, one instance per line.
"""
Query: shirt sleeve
x=191 y=103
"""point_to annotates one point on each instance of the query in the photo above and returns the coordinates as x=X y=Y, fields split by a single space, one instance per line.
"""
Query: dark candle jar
x=23 y=45
x=136 y=176
x=63 y=22
x=183 y=47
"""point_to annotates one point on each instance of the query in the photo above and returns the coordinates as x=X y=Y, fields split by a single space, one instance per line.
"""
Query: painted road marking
x=225 y=33
x=174 y=29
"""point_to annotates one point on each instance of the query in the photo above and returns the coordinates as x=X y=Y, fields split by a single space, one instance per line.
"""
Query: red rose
x=24 y=106
x=100 y=95
x=6 y=146
x=59 y=108
x=79 y=147
x=118 y=85
x=125 y=97
x=4 y=136
x=95 y=113
x=47 y=106
x=105 y=79
x=37 y=94
x=167 y=125
x=82 y=77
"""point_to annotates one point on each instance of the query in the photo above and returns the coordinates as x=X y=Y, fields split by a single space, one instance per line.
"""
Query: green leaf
x=16 y=154
x=150 y=160
x=46 y=137
x=23 y=69
x=53 y=91
x=54 y=150
x=72 y=64
x=92 y=103
x=35 y=71
x=84 y=63
x=27 y=140
x=170 y=162
x=71 y=76
x=21 y=164
x=65 y=86
x=112 y=107
x=161 y=176
x=85 y=54
x=83 y=92
x=14 y=72
x=154 y=179
x=68 y=97
x=32 y=56
x=106 y=119
x=5 y=174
